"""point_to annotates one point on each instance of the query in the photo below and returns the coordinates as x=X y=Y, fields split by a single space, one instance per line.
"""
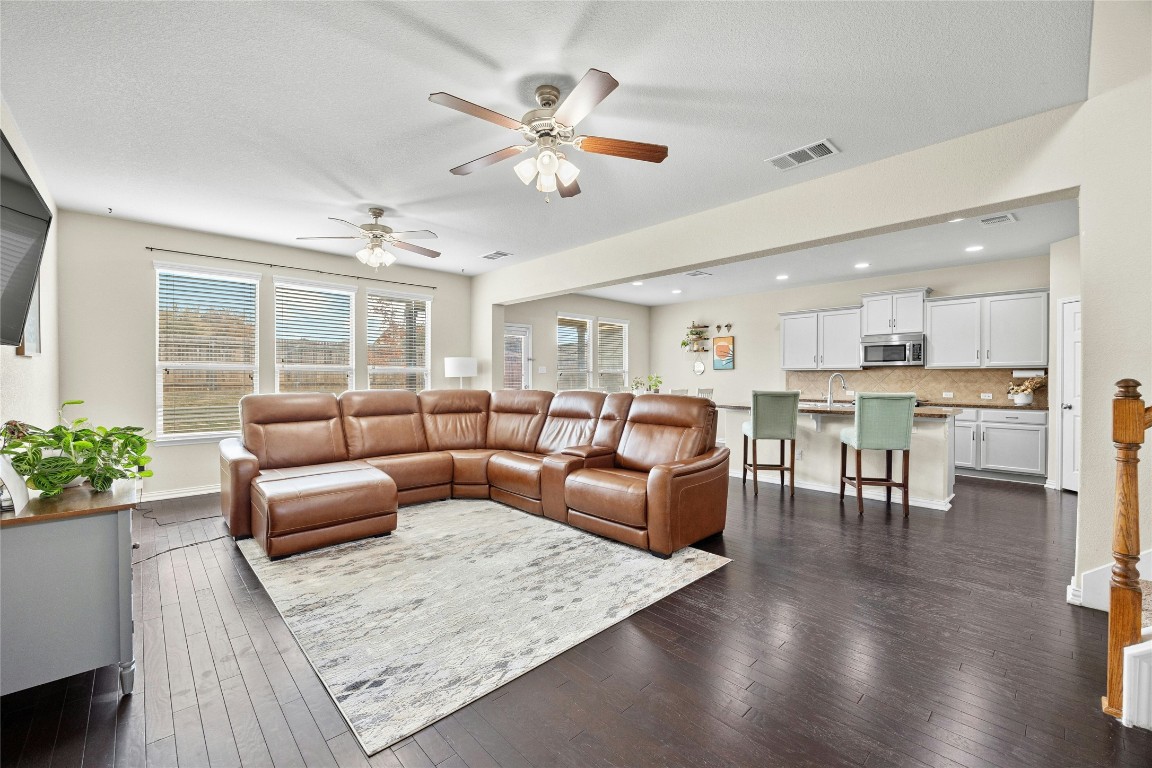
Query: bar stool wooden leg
x=782 y=465
x=792 y=470
x=843 y=467
x=755 y=469
x=744 y=470
x=888 y=474
x=859 y=485
x=904 y=479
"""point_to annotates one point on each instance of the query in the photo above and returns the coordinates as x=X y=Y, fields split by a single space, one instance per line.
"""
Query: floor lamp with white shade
x=459 y=368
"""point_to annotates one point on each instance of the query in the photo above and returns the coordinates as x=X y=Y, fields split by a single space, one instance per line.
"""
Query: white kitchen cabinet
x=1015 y=330
x=1013 y=447
x=896 y=312
x=953 y=333
x=1001 y=330
x=964 y=440
x=839 y=339
x=799 y=341
x=821 y=339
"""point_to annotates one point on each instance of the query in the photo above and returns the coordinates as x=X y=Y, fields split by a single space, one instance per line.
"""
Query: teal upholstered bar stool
x=883 y=423
x=773 y=418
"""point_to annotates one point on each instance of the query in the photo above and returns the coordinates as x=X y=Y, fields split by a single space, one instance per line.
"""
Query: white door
x=1016 y=330
x=840 y=339
x=965 y=443
x=1013 y=448
x=908 y=312
x=877 y=315
x=953 y=334
x=799 y=341
x=517 y=357
x=1070 y=396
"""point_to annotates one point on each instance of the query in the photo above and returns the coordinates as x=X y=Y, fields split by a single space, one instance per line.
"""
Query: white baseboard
x=179 y=493
x=1052 y=486
x=1137 y=700
x=1096 y=584
x=869 y=493
x=1074 y=596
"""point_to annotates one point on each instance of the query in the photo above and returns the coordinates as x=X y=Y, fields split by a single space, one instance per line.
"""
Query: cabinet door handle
x=987 y=354
x=977 y=355
x=813 y=358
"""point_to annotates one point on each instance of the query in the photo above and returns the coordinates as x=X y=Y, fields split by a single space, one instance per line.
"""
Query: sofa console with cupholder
x=312 y=470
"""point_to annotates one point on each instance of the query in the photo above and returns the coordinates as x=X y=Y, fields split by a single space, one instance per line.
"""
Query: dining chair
x=704 y=392
x=883 y=423
x=773 y=418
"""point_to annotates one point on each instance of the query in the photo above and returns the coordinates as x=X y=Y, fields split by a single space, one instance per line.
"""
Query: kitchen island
x=933 y=472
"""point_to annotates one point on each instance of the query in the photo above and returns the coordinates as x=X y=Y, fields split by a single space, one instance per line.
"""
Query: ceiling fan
x=380 y=236
x=550 y=128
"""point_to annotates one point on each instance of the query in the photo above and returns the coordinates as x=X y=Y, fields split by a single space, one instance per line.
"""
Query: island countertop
x=849 y=409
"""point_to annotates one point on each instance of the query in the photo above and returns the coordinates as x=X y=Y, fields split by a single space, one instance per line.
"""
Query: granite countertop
x=984 y=404
x=846 y=408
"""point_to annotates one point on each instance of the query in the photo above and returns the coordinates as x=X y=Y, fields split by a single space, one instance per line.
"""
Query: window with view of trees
x=398 y=341
x=206 y=350
x=573 y=353
x=313 y=337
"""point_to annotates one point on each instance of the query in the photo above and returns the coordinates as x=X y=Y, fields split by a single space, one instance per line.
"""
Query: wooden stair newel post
x=1128 y=425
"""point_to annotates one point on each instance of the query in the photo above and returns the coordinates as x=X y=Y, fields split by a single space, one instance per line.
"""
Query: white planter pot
x=1024 y=398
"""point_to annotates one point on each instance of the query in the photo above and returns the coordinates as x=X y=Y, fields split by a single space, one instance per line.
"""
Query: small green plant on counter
x=52 y=458
x=638 y=383
x=654 y=382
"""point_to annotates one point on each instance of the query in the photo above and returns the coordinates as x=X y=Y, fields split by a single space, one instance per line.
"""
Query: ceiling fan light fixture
x=364 y=254
x=547 y=162
x=526 y=169
x=386 y=258
x=546 y=182
x=567 y=172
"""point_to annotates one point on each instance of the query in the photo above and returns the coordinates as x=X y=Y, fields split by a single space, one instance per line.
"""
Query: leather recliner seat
x=642 y=472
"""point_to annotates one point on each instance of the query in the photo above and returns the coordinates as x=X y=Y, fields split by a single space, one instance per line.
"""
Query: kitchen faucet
x=843 y=386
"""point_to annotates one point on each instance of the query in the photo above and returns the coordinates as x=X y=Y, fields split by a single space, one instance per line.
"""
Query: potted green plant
x=638 y=385
x=51 y=459
x=654 y=383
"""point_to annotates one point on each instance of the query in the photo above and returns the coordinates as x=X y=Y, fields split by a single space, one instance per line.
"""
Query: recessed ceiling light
x=863 y=265
x=677 y=290
x=637 y=282
x=974 y=248
x=781 y=277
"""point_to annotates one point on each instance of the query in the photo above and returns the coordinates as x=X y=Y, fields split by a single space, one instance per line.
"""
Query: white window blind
x=612 y=355
x=313 y=338
x=517 y=344
x=398 y=337
x=573 y=353
x=205 y=350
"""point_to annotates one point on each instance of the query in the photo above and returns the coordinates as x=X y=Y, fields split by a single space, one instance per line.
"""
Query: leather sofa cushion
x=290 y=430
x=454 y=418
x=612 y=419
x=516 y=472
x=308 y=502
x=665 y=428
x=571 y=420
x=619 y=495
x=470 y=466
x=381 y=422
x=281 y=473
x=415 y=470
x=515 y=418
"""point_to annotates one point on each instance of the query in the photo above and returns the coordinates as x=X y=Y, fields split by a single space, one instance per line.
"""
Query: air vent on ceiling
x=495 y=255
x=1000 y=218
x=699 y=273
x=789 y=160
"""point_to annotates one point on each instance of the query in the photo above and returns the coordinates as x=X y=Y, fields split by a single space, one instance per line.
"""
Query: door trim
x=1056 y=468
x=516 y=328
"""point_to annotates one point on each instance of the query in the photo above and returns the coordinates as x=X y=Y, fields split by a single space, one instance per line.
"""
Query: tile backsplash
x=965 y=384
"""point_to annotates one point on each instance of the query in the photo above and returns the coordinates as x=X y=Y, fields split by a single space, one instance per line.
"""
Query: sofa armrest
x=238 y=468
x=553 y=475
x=687 y=501
x=594 y=456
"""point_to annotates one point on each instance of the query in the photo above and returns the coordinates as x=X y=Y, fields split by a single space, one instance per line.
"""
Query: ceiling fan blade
x=492 y=159
x=341 y=237
x=468 y=108
x=568 y=190
x=415 y=249
x=592 y=89
x=633 y=150
x=342 y=221
x=418 y=234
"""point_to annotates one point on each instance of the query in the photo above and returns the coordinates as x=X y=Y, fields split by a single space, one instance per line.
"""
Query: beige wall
x=109 y=336
x=1064 y=283
x=542 y=314
x=30 y=386
x=756 y=325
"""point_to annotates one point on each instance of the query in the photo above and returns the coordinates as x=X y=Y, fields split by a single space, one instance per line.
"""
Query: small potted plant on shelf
x=639 y=386
x=654 y=383
x=694 y=339
x=52 y=459
x=1022 y=393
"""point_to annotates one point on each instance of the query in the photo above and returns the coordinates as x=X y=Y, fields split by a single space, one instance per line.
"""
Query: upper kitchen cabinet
x=893 y=312
x=820 y=339
x=1000 y=330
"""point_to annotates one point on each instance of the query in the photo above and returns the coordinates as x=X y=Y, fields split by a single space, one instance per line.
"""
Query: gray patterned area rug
x=463 y=597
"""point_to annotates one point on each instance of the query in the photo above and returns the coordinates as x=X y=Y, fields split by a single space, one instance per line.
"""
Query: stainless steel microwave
x=898 y=349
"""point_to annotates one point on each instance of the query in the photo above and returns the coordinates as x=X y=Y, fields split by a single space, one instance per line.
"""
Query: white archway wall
x=1100 y=147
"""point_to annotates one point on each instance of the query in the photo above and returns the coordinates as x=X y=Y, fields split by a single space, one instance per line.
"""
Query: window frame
x=524 y=331
x=323 y=287
x=625 y=384
x=236 y=276
x=590 y=321
x=426 y=370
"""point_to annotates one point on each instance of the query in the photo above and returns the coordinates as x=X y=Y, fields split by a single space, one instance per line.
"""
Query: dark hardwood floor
x=830 y=640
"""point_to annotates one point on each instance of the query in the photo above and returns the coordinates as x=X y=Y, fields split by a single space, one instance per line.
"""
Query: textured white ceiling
x=261 y=119
x=909 y=250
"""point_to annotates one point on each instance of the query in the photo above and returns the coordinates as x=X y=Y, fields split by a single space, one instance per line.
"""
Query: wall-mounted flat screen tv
x=24 y=222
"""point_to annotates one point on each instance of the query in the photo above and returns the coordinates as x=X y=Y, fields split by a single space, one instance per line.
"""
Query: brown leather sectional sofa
x=312 y=470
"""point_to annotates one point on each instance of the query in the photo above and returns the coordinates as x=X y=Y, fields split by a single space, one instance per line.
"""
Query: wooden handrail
x=1129 y=421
